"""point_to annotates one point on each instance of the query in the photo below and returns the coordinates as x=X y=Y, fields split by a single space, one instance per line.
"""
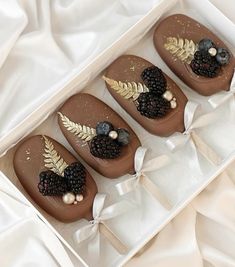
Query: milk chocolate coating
x=181 y=26
x=88 y=110
x=128 y=68
x=29 y=162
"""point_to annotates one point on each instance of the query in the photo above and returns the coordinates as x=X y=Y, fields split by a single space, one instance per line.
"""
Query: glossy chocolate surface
x=182 y=26
x=29 y=162
x=88 y=110
x=128 y=68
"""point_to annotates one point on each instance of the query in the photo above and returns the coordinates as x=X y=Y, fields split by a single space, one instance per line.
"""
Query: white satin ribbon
x=140 y=176
x=177 y=140
x=100 y=214
x=219 y=98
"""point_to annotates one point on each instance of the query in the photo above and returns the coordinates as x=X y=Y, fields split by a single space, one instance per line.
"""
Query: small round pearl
x=68 y=198
x=113 y=134
x=168 y=95
x=79 y=198
x=173 y=104
x=212 y=51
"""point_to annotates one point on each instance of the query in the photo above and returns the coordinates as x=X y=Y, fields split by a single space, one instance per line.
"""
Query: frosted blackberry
x=151 y=106
x=205 y=65
x=154 y=79
x=205 y=45
x=103 y=128
x=75 y=177
x=51 y=184
x=104 y=147
x=123 y=137
x=222 y=56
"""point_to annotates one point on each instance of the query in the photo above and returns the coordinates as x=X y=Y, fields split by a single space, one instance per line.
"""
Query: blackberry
x=51 y=184
x=204 y=64
x=151 y=106
x=75 y=177
x=154 y=79
x=104 y=147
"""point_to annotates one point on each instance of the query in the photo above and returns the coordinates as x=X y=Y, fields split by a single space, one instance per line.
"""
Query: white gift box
x=181 y=180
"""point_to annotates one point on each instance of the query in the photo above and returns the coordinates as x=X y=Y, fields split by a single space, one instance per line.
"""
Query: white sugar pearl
x=113 y=134
x=68 y=198
x=79 y=198
x=212 y=51
x=168 y=95
x=173 y=104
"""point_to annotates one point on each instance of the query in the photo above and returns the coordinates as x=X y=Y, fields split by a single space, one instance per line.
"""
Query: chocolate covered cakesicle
x=54 y=179
x=195 y=54
x=147 y=94
x=99 y=135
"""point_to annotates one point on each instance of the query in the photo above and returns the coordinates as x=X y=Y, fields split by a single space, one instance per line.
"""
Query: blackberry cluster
x=51 y=184
x=151 y=106
x=74 y=180
x=204 y=64
x=154 y=79
x=104 y=147
x=75 y=176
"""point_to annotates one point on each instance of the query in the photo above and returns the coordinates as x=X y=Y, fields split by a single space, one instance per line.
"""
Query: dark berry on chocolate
x=154 y=79
x=123 y=137
x=152 y=106
x=103 y=128
x=75 y=177
x=104 y=147
x=205 y=45
x=205 y=65
x=222 y=56
x=51 y=184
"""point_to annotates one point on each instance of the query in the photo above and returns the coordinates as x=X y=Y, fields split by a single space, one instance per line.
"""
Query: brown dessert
x=99 y=135
x=54 y=179
x=147 y=94
x=195 y=54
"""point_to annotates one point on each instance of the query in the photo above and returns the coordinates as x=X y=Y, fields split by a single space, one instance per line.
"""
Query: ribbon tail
x=218 y=99
x=176 y=141
x=127 y=186
x=151 y=188
x=94 y=247
x=84 y=233
x=206 y=150
x=112 y=238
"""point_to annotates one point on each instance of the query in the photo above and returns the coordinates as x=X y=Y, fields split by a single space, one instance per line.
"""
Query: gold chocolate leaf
x=127 y=90
x=84 y=132
x=53 y=161
x=183 y=49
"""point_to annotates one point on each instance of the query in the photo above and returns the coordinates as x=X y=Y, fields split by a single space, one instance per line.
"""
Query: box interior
x=182 y=179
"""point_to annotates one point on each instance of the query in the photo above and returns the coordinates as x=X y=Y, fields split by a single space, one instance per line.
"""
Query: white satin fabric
x=25 y=241
x=202 y=235
x=45 y=41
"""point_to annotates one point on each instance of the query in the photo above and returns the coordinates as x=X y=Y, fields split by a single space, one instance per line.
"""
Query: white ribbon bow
x=177 y=140
x=100 y=214
x=219 y=98
x=140 y=176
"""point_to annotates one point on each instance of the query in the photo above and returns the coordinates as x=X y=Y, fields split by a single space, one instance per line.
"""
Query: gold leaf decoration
x=183 y=49
x=84 y=132
x=127 y=90
x=53 y=161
